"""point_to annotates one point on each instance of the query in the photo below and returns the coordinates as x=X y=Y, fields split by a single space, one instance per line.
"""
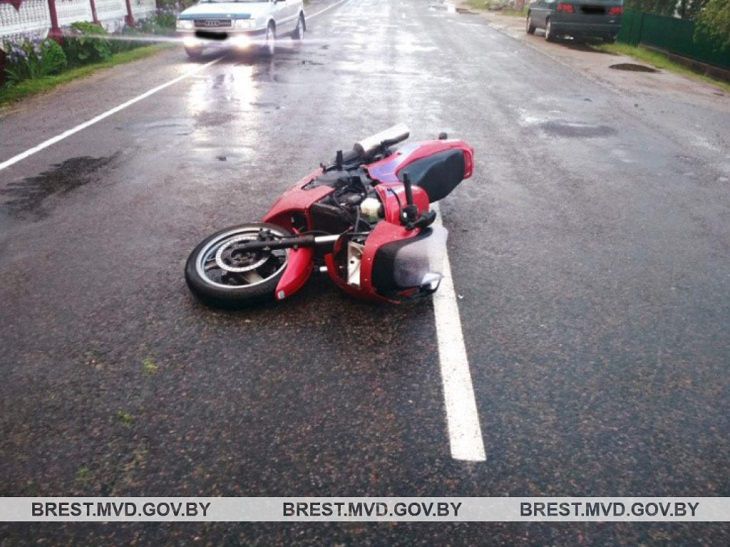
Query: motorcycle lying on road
x=365 y=220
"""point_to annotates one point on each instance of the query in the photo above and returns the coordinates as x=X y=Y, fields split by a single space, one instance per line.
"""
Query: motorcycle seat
x=438 y=174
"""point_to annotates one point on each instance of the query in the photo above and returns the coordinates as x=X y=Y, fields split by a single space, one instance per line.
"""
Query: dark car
x=577 y=18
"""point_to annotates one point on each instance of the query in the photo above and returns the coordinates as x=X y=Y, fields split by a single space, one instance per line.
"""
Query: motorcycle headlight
x=243 y=23
x=183 y=24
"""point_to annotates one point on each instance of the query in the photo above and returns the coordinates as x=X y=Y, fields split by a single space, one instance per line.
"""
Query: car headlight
x=243 y=23
x=183 y=24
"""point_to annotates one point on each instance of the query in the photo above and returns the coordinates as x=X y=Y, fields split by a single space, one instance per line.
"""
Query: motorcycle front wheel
x=221 y=273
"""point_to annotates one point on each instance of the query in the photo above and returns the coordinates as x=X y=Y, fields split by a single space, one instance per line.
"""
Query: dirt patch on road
x=27 y=197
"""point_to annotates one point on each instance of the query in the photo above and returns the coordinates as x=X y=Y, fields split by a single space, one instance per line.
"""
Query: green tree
x=686 y=9
x=660 y=7
x=689 y=9
x=714 y=20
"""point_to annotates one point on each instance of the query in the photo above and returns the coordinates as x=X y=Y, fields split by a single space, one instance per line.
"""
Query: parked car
x=577 y=18
x=240 y=23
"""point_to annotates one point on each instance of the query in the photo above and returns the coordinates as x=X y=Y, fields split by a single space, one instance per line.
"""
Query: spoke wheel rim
x=222 y=264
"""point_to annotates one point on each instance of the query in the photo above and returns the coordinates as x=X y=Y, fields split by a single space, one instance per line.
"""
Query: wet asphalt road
x=591 y=254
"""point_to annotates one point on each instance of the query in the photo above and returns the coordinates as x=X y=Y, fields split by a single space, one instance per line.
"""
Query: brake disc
x=236 y=268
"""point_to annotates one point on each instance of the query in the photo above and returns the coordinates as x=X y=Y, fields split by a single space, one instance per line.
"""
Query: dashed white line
x=465 y=433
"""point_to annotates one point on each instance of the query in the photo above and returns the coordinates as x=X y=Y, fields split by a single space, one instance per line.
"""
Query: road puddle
x=633 y=67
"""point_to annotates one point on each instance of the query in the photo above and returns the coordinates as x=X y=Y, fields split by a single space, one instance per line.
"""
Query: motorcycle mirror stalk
x=409 y=212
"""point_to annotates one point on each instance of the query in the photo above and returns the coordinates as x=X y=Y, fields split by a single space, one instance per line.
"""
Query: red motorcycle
x=365 y=220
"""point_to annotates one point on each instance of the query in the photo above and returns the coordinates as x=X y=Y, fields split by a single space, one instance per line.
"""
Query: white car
x=240 y=23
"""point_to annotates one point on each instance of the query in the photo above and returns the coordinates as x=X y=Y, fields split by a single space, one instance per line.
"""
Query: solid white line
x=92 y=121
x=465 y=434
x=100 y=117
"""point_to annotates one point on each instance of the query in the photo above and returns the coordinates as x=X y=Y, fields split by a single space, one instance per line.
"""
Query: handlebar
x=389 y=137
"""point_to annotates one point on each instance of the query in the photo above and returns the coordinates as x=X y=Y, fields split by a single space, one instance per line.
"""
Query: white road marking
x=100 y=117
x=465 y=434
x=58 y=138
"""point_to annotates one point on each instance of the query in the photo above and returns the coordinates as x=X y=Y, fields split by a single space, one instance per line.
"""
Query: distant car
x=240 y=23
x=576 y=18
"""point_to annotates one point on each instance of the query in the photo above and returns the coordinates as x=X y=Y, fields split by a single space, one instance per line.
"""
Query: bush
x=53 y=58
x=86 y=44
x=34 y=58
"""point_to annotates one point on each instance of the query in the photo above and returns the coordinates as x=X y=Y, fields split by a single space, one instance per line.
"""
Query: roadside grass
x=661 y=61
x=27 y=88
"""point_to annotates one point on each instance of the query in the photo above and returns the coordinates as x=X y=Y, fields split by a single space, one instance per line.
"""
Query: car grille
x=212 y=23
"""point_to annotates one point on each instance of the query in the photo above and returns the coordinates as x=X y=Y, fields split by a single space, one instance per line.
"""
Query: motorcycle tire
x=222 y=276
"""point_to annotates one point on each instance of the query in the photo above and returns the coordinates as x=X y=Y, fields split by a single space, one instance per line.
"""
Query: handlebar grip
x=392 y=135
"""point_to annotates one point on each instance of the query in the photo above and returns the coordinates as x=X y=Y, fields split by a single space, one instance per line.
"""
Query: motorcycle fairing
x=383 y=234
x=297 y=200
x=383 y=265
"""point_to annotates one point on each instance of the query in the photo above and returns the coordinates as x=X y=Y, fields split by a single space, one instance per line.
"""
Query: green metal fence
x=673 y=35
